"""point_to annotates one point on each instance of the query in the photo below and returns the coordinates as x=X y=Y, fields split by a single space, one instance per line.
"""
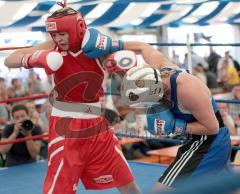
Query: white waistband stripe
x=76 y=110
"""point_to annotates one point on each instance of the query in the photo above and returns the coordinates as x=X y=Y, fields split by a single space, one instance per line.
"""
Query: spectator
x=22 y=152
x=175 y=59
x=199 y=72
x=235 y=63
x=234 y=109
x=3 y=106
x=196 y=59
x=3 y=89
x=213 y=60
x=16 y=89
x=34 y=115
x=3 y=117
x=228 y=75
x=34 y=84
x=223 y=60
x=227 y=118
x=229 y=122
x=211 y=80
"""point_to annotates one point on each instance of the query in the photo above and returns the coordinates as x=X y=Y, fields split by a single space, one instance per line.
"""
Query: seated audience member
x=175 y=59
x=22 y=152
x=226 y=58
x=196 y=59
x=34 y=115
x=228 y=75
x=227 y=118
x=229 y=122
x=213 y=61
x=34 y=84
x=199 y=72
x=234 y=108
x=3 y=106
x=16 y=89
x=211 y=80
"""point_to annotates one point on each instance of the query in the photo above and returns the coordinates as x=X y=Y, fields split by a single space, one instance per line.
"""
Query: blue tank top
x=177 y=112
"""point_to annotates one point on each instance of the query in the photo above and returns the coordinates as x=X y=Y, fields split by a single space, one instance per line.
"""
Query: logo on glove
x=101 y=42
x=178 y=130
x=159 y=126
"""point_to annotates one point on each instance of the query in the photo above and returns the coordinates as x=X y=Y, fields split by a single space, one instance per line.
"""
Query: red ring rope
x=24 y=139
x=24 y=98
x=13 y=48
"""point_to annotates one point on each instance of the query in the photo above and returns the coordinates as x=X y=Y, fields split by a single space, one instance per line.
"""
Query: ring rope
x=153 y=44
x=228 y=101
x=24 y=139
x=195 y=44
x=24 y=98
x=13 y=48
x=156 y=138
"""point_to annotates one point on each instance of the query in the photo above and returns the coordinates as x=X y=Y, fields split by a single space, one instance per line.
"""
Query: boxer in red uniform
x=81 y=145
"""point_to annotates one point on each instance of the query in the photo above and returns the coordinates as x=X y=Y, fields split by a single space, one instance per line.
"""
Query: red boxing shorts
x=94 y=158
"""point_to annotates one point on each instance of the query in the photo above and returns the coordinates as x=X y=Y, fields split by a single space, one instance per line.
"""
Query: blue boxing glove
x=162 y=122
x=95 y=44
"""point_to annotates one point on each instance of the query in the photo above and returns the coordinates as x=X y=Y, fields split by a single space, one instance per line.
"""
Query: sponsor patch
x=88 y=110
x=101 y=42
x=159 y=126
x=178 y=130
x=115 y=43
x=51 y=26
x=104 y=179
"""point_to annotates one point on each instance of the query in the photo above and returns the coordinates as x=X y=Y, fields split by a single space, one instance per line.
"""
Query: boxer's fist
x=51 y=61
x=120 y=61
x=95 y=44
x=162 y=122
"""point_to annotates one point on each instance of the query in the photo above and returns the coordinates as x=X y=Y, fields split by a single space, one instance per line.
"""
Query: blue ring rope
x=194 y=44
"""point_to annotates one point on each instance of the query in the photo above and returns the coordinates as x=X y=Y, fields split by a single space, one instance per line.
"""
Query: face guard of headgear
x=69 y=21
x=141 y=87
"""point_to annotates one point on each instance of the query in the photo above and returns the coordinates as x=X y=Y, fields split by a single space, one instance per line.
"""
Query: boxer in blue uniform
x=193 y=112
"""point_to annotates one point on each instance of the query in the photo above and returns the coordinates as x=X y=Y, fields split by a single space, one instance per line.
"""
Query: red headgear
x=72 y=23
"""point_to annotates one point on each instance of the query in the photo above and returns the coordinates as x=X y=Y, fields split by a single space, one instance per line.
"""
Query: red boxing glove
x=120 y=61
x=51 y=61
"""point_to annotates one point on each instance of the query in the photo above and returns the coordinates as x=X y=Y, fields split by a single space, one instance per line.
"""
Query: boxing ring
x=28 y=178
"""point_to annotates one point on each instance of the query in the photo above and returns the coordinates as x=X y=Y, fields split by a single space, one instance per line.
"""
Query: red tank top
x=79 y=79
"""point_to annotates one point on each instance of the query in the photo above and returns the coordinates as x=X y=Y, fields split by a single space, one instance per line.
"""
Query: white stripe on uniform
x=175 y=170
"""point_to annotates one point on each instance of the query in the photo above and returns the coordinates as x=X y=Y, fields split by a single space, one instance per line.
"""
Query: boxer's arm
x=150 y=55
x=195 y=97
x=14 y=60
